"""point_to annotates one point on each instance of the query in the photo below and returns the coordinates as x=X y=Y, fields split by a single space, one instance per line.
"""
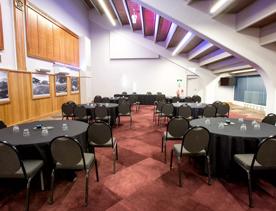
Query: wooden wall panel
x=55 y=43
x=23 y=108
x=1 y=31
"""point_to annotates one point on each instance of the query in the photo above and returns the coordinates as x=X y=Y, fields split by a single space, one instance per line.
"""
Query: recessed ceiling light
x=107 y=12
x=182 y=43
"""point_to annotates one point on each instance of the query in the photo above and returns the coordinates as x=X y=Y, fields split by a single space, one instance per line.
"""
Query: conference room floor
x=143 y=181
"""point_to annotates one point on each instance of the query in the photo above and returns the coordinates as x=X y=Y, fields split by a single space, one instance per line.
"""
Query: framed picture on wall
x=75 y=85
x=61 y=84
x=4 y=86
x=40 y=85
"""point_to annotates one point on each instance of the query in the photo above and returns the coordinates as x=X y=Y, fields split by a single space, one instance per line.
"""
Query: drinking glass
x=207 y=121
x=64 y=127
x=253 y=122
x=257 y=126
x=15 y=129
x=26 y=132
x=44 y=131
x=240 y=119
x=243 y=127
x=221 y=125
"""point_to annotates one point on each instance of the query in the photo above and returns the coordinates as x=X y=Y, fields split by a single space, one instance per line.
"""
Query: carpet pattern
x=142 y=180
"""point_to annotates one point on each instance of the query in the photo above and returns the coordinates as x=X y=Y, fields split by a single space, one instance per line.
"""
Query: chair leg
x=42 y=181
x=86 y=188
x=209 y=170
x=165 y=151
x=51 y=198
x=179 y=171
x=114 y=161
x=249 y=189
x=97 y=173
x=27 y=200
x=117 y=157
x=130 y=121
x=162 y=144
x=171 y=160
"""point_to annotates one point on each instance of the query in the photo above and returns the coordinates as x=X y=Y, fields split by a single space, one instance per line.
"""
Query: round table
x=36 y=146
x=230 y=140
x=197 y=108
x=112 y=109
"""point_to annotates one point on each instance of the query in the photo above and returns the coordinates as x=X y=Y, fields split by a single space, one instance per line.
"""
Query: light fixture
x=134 y=17
x=182 y=43
x=107 y=12
x=220 y=5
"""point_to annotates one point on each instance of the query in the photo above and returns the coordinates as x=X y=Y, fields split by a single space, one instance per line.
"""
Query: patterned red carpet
x=142 y=181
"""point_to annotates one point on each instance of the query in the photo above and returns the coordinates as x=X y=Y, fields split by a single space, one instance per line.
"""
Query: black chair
x=101 y=114
x=67 y=110
x=195 y=143
x=175 y=99
x=223 y=110
x=105 y=100
x=216 y=103
x=124 y=109
x=166 y=112
x=124 y=93
x=80 y=114
x=188 y=99
x=68 y=154
x=12 y=166
x=176 y=129
x=133 y=100
x=159 y=93
x=157 y=109
x=97 y=99
x=270 y=119
x=99 y=134
x=263 y=159
x=122 y=100
x=185 y=111
x=209 y=111
x=196 y=98
x=2 y=124
x=149 y=93
x=134 y=93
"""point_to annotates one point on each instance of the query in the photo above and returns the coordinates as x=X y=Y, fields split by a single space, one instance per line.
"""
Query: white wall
x=141 y=75
x=8 y=55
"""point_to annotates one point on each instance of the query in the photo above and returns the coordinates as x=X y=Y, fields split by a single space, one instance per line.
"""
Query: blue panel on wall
x=250 y=89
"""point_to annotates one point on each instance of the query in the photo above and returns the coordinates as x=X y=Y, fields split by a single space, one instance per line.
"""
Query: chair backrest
x=124 y=108
x=175 y=99
x=216 y=103
x=167 y=109
x=178 y=126
x=10 y=161
x=132 y=99
x=266 y=151
x=270 y=119
x=188 y=99
x=223 y=109
x=68 y=109
x=209 y=111
x=124 y=93
x=100 y=111
x=134 y=93
x=196 y=98
x=185 y=111
x=66 y=151
x=2 y=124
x=80 y=112
x=149 y=93
x=99 y=133
x=97 y=99
x=122 y=100
x=159 y=93
x=105 y=100
x=160 y=98
x=196 y=139
x=160 y=105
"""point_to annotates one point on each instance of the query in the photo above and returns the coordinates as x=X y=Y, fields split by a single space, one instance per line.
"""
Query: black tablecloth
x=112 y=109
x=197 y=108
x=144 y=99
x=231 y=140
x=36 y=146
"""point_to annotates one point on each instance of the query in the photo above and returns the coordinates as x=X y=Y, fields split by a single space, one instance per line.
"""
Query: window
x=250 y=89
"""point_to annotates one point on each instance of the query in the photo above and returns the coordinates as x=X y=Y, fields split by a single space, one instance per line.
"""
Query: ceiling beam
x=268 y=34
x=156 y=28
x=95 y=6
x=224 y=63
x=201 y=48
x=186 y=40
x=213 y=57
x=254 y=13
x=222 y=8
x=128 y=14
x=233 y=68
x=170 y=34
x=115 y=11
x=142 y=20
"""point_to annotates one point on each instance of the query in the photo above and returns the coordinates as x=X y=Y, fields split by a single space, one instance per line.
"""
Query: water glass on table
x=26 y=132
x=44 y=131
x=15 y=129
x=243 y=127
x=64 y=127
